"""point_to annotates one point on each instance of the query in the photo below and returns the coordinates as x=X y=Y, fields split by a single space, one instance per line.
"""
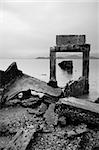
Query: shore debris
x=75 y=88
x=78 y=130
x=42 y=117
x=50 y=116
x=97 y=100
x=22 y=139
x=66 y=65
x=77 y=110
x=22 y=86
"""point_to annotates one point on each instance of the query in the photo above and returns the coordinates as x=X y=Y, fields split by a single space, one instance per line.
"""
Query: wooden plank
x=27 y=82
x=70 y=39
x=81 y=103
x=22 y=139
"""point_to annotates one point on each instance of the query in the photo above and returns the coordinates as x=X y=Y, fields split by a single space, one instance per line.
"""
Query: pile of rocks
x=75 y=88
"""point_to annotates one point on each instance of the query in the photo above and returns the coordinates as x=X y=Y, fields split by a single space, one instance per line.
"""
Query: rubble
x=21 y=86
x=66 y=65
x=77 y=131
x=22 y=139
x=39 y=118
x=97 y=100
x=50 y=116
x=24 y=84
x=75 y=88
x=78 y=111
x=39 y=111
x=62 y=121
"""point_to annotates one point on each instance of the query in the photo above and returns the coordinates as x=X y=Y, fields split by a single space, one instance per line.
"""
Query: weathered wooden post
x=52 y=81
x=86 y=67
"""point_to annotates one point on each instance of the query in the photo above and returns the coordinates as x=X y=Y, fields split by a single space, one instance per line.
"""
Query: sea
x=40 y=68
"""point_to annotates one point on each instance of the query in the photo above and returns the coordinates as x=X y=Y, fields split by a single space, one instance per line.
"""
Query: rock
x=96 y=148
x=39 y=111
x=11 y=73
x=75 y=88
x=24 y=94
x=29 y=93
x=42 y=108
x=77 y=131
x=20 y=95
x=50 y=116
x=13 y=102
x=66 y=65
x=62 y=121
x=97 y=100
x=30 y=102
x=34 y=93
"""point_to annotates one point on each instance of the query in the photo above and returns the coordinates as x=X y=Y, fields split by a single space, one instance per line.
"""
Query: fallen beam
x=25 y=83
x=78 y=111
x=81 y=103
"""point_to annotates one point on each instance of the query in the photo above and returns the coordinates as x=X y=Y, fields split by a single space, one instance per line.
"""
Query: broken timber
x=22 y=139
x=79 y=110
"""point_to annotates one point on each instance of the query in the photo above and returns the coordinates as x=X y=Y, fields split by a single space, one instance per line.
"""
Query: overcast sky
x=29 y=27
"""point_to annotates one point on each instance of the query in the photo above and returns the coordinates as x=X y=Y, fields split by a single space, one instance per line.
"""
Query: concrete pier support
x=70 y=43
x=52 y=81
x=86 y=68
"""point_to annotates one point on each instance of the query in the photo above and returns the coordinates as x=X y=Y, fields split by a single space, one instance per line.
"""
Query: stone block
x=62 y=40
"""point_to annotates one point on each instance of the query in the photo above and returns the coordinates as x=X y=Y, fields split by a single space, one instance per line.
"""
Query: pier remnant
x=70 y=43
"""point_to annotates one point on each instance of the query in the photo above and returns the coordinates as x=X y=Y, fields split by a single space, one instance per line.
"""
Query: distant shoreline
x=64 y=58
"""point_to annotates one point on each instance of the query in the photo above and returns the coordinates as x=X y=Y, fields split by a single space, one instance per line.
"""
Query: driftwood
x=22 y=139
x=78 y=111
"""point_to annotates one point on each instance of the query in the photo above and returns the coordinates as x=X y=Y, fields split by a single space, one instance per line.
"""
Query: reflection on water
x=39 y=68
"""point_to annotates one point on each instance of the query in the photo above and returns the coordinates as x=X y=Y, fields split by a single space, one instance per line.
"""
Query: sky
x=29 y=27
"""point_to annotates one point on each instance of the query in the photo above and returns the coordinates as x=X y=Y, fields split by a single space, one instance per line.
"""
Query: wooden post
x=86 y=68
x=52 y=81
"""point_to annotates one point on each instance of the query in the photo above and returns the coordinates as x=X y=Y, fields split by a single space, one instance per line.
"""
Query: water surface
x=39 y=68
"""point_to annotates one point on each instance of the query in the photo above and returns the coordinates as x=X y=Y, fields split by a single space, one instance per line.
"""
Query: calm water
x=39 y=68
